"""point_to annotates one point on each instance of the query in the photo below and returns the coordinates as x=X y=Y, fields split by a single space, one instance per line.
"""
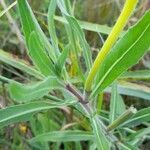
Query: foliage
x=57 y=95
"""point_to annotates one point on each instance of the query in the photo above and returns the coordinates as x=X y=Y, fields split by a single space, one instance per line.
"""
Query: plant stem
x=112 y=38
x=76 y=93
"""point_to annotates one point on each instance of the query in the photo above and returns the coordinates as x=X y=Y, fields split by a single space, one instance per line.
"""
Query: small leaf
x=24 y=93
x=63 y=136
x=127 y=52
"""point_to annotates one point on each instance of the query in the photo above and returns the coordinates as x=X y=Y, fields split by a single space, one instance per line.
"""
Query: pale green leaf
x=63 y=136
x=98 y=130
x=23 y=93
x=23 y=112
x=38 y=55
x=29 y=24
x=140 y=117
x=20 y=64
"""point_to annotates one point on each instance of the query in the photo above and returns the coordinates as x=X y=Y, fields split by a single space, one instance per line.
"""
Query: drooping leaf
x=24 y=93
x=64 y=136
x=126 y=52
x=23 y=112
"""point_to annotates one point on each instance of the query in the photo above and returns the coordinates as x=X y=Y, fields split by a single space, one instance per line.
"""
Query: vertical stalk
x=112 y=38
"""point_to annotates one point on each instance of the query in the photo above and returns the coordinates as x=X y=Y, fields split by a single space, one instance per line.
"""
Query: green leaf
x=38 y=56
x=23 y=112
x=117 y=106
x=139 y=74
x=101 y=140
x=63 y=136
x=84 y=45
x=51 y=26
x=89 y=26
x=24 y=93
x=20 y=64
x=136 y=137
x=133 y=89
x=140 y=117
x=62 y=59
x=127 y=52
x=29 y=24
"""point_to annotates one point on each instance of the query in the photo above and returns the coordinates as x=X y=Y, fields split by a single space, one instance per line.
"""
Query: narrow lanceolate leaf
x=140 y=117
x=124 y=54
x=61 y=60
x=84 y=45
x=38 y=56
x=23 y=93
x=117 y=106
x=113 y=103
x=51 y=25
x=100 y=138
x=29 y=24
x=133 y=89
x=78 y=32
x=63 y=136
x=139 y=74
x=22 y=65
x=23 y=112
x=135 y=137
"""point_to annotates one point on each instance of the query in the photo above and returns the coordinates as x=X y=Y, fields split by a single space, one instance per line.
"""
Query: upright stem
x=121 y=22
